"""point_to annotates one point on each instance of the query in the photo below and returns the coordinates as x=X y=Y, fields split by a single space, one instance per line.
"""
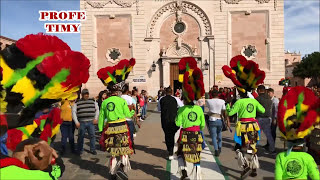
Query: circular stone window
x=179 y=27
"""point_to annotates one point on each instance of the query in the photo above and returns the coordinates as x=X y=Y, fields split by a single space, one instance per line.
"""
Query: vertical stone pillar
x=166 y=73
x=211 y=60
x=204 y=53
x=153 y=78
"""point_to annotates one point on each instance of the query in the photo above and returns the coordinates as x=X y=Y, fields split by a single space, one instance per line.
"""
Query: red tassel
x=132 y=62
x=14 y=138
x=34 y=45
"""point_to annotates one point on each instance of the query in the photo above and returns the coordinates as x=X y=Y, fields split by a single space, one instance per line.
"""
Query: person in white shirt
x=131 y=105
x=216 y=115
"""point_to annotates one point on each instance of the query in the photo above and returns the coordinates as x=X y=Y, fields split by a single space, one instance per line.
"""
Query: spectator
x=216 y=114
x=129 y=100
x=85 y=114
x=264 y=119
x=210 y=93
x=222 y=95
x=145 y=104
x=177 y=94
x=274 y=113
x=169 y=108
x=161 y=93
x=67 y=127
x=102 y=96
x=201 y=103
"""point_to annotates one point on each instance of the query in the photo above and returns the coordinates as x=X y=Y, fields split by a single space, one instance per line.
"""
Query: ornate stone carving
x=97 y=4
x=249 y=52
x=183 y=51
x=101 y=4
x=232 y=1
x=113 y=55
x=124 y=3
x=262 y=1
x=178 y=8
x=137 y=7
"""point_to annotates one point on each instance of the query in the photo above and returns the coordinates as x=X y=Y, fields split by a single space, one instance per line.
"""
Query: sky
x=20 y=17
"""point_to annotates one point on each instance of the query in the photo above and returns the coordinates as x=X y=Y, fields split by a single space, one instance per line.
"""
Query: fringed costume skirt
x=247 y=133
x=190 y=144
x=116 y=139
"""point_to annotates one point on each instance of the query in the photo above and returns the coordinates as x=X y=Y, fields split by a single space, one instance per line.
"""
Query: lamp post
x=205 y=65
x=153 y=67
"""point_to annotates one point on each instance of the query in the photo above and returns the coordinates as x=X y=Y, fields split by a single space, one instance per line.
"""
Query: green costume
x=246 y=108
x=189 y=116
x=113 y=109
x=14 y=172
x=296 y=165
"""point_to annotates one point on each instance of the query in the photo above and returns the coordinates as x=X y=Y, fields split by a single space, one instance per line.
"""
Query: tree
x=309 y=67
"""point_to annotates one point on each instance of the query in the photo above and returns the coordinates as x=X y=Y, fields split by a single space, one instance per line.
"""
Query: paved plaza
x=150 y=160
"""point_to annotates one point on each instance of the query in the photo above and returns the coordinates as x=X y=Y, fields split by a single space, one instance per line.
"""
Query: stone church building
x=157 y=33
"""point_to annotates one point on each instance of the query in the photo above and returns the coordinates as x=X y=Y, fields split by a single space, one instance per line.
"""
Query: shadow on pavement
x=155 y=152
x=155 y=171
x=92 y=166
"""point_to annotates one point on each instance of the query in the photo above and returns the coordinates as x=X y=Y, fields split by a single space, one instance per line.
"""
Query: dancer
x=116 y=133
x=190 y=117
x=246 y=76
x=297 y=116
x=36 y=72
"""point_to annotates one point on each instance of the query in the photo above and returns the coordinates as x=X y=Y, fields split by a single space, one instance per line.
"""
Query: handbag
x=224 y=125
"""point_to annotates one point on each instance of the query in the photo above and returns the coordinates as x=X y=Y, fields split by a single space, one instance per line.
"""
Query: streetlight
x=153 y=67
x=206 y=65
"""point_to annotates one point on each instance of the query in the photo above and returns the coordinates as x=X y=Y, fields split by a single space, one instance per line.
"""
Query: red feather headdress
x=245 y=74
x=297 y=113
x=39 y=70
x=116 y=75
x=192 y=79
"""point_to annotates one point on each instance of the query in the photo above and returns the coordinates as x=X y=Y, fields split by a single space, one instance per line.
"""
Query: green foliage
x=309 y=66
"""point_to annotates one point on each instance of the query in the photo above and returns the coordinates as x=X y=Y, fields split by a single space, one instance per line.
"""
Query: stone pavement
x=150 y=161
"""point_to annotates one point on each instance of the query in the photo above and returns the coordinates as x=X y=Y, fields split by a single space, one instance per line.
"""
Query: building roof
x=9 y=39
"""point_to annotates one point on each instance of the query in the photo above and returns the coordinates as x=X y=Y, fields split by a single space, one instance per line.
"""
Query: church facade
x=157 y=33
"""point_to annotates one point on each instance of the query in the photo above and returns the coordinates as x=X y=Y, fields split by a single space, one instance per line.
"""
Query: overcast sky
x=19 y=18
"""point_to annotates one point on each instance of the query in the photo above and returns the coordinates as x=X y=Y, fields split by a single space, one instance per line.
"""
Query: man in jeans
x=264 y=119
x=85 y=114
x=274 y=124
x=131 y=105
x=216 y=115
x=67 y=126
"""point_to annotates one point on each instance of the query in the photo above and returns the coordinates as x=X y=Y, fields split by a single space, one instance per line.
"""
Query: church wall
x=217 y=47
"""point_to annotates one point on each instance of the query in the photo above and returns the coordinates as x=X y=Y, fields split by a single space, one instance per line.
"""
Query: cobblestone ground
x=150 y=161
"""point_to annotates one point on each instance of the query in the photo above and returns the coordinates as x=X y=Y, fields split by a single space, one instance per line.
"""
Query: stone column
x=211 y=60
x=153 y=78
x=204 y=53
x=166 y=73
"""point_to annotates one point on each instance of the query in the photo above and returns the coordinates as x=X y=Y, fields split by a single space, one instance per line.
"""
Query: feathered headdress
x=245 y=74
x=191 y=78
x=44 y=127
x=284 y=81
x=112 y=76
x=39 y=70
x=297 y=113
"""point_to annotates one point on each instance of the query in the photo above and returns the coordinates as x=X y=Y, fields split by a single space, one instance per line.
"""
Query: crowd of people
x=38 y=98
